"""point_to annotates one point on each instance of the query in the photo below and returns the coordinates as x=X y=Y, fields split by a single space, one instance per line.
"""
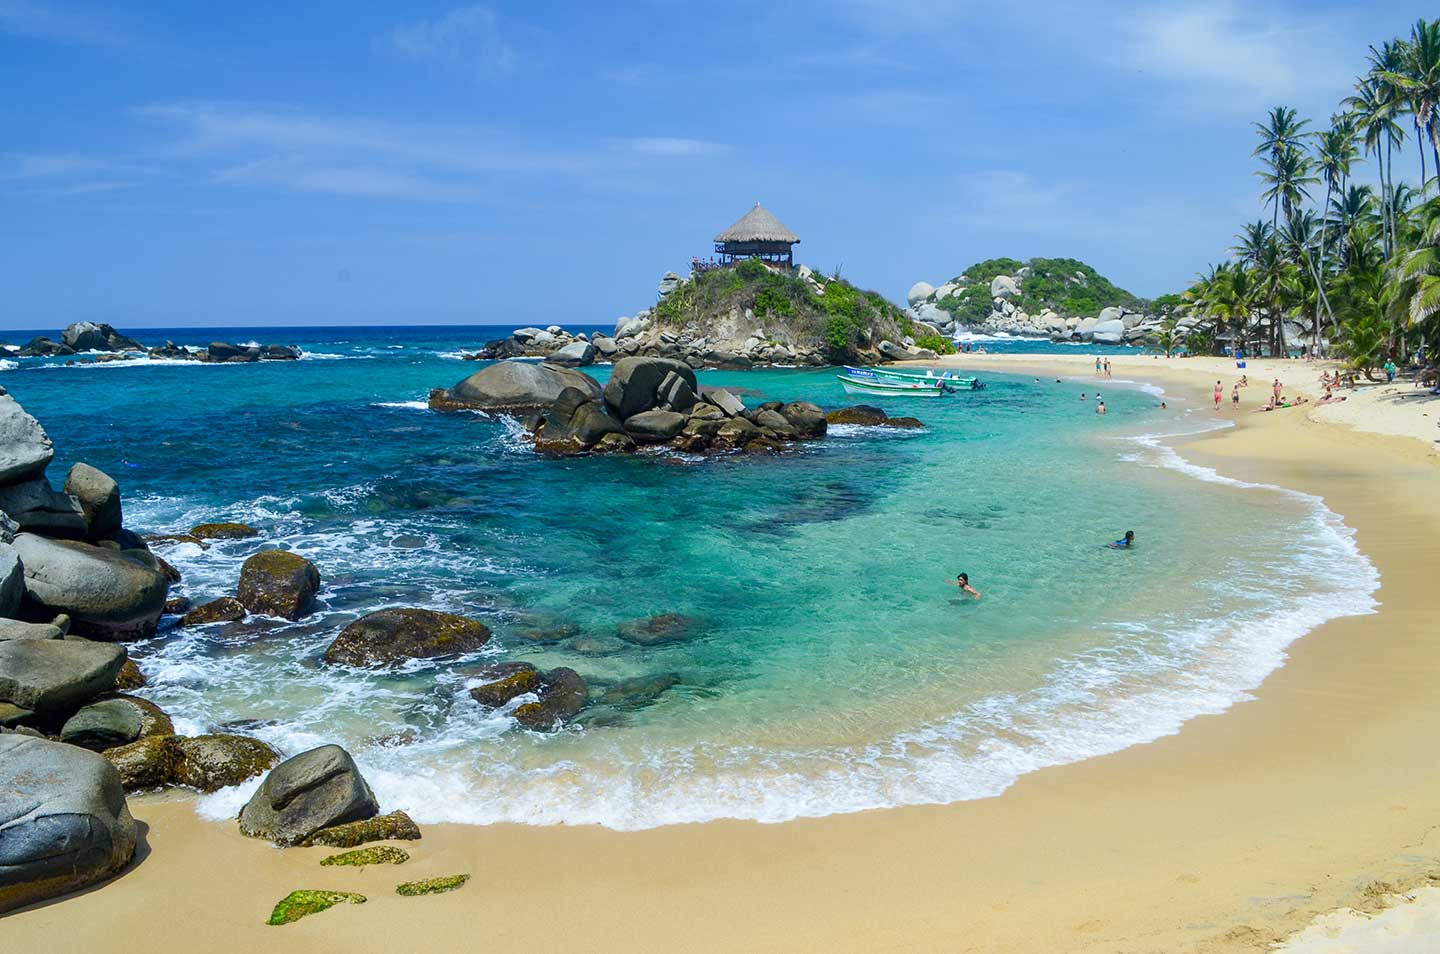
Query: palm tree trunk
x=1315 y=329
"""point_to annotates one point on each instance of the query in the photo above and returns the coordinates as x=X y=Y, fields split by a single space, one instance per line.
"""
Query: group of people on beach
x=1102 y=366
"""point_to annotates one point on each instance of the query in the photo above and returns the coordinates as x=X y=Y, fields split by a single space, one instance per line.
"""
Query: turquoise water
x=831 y=667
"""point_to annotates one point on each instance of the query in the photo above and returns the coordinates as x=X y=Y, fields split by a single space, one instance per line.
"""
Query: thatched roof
x=758 y=225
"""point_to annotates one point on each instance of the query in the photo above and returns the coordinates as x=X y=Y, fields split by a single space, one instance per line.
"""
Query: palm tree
x=1282 y=131
x=1252 y=238
x=1414 y=279
x=1356 y=204
x=1376 y=106
x=1419 y=81
x=1287 y=180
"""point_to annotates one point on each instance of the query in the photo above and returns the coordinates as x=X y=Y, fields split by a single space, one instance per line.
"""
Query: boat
x=872 y=385
x=953 y=381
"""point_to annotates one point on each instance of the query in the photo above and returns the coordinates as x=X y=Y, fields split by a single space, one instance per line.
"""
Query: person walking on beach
x=1235 y=397
x=963 y=581
x=1276 y=390
x=1389 y=371
x=1097 y=364
x=1219 y=393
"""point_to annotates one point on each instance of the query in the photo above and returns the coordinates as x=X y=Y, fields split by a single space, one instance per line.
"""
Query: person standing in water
x=1100 y=407
x=963 y=581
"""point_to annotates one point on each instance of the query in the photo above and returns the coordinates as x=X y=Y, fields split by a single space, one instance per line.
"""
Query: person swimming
x=1100 y=407
x=963 y=581
x=1125 y=542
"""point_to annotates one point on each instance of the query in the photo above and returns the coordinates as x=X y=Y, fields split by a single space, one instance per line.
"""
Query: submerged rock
x=639 y=692
x=563 y=694
x=506 y=686
x=656 y=630
x=864 y=414
x=226 y=609
x=219 y=531
x=305 y=793
x=299 y=904
x=391 y=636
x=396 y=826
x=108 y=594
x=278 y=583
x=64 y=823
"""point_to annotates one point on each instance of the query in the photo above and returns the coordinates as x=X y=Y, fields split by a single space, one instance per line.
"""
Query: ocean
x=831 y=667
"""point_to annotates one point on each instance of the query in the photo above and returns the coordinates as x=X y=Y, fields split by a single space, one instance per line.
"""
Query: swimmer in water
x=1125 y=542
x=963 y=581
x=1100 y=407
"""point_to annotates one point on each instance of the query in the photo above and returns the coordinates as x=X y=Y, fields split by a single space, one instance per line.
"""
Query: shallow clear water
x=831 y=667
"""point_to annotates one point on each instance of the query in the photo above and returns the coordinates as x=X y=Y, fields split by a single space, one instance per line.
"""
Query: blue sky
x=172 y=163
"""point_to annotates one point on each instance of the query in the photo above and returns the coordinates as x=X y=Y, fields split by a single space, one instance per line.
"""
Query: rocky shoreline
x=88 y=342
x=646 y=402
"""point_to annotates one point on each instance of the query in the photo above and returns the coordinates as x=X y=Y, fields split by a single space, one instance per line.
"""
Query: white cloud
x=1239 y=56
x=671 y=146
x=468 y=37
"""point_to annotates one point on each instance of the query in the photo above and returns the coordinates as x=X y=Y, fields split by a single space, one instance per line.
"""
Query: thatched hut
x=760 y=235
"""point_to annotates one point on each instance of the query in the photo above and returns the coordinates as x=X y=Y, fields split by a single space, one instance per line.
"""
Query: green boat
x=892 y=388
x=953 y=381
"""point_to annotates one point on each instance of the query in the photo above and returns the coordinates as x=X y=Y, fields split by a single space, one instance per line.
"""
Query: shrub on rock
x=278 y=583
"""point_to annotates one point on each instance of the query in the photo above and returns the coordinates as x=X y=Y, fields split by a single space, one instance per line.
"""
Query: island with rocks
x=1057 y=299
x=648 y=401
x=86 y=342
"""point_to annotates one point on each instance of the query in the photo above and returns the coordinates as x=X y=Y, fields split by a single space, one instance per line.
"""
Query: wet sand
x=1228 y=836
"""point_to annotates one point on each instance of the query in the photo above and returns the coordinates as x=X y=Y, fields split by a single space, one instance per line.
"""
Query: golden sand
x=1228 y=836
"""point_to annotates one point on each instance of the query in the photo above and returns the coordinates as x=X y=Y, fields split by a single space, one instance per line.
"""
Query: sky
x=170 y=163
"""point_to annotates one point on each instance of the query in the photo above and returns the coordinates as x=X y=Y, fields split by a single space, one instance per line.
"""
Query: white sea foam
x=6 y=365
x=412 y=405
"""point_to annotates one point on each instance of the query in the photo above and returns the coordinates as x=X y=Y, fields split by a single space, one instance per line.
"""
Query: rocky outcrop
x=317 y=789
x=389 y=637
x=634 y=383
x=92 y=336
x=278 y=583
x=396 y=826
x=53 y=677
x=99 y=499
x=25 y=448
x=108 y=594
x=513 y=387
x=36 y=507
x=64 y=823
x=212 y=762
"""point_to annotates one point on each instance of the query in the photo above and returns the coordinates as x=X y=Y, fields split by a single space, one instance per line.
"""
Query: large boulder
x=278 y=583
x=305 y=793
x=1108 y=332
x=35 y=506
x=12 y=581
x=56 y=676
x=574 y=423
x=103 y=725
x=108 y=594
x=25 y=448
x=654 y=427
x=864 y=414
x=389 y=637
x=99 y=499
x=93 y=336
x=1003 y=286
x=807 y=419
x=515 y=386
x=634 y=382
x=562 y=694
x=64 y=823
x=919 y=292
x=573 y=355
x=212 y=762
x=226 y=609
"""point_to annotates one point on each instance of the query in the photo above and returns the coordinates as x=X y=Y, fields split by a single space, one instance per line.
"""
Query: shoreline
x=1226 y=836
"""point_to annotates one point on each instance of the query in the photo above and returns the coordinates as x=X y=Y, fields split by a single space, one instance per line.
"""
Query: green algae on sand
x=412 y=889
x=375 y=855
x=298 y=904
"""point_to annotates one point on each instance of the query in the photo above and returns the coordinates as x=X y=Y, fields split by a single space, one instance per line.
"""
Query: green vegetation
x=1066 y=286
x=1355 y=264
x=412 y=889
x=840 y=317
x=936 y=343
x=299 y=904
x=375 y=855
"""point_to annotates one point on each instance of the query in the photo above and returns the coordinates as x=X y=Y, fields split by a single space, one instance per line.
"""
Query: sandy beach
x=1232 y=835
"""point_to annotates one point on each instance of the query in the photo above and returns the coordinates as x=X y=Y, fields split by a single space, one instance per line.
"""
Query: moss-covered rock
x=374 y=855
x=148 y=762
x=496 y=693
x=299 y=904
x=129 y=677
x=911 y=423
x=859 y=414
x=226 y=609
x=392 y=636
x=563 y=693
x=153 y=719
x=278 y=583
x=212 y=762
x=223 y=531
x=440 y=885
x=656 y=630
x=169 y=539
x=396 y=826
